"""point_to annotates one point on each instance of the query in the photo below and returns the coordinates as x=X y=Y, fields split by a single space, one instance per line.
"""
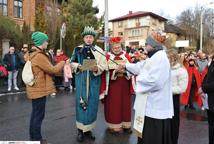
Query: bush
x=9 y=30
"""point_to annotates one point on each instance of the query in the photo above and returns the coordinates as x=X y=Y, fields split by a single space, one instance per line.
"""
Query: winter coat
x=208 y=86
x=3 y=71
x=185 y=96
x=9 y=62
x=43 y=71
x=59 y=58
x=67 y=72
x=179 y=79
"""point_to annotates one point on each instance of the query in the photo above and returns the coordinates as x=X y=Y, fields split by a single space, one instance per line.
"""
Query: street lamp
x=201 y=25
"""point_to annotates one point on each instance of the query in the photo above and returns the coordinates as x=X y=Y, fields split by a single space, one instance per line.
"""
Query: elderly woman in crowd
x=179 y=85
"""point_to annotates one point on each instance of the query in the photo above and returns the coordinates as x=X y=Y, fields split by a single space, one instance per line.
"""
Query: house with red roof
x=134 y=27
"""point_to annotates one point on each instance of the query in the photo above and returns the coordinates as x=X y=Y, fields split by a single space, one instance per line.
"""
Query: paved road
x=59 y=123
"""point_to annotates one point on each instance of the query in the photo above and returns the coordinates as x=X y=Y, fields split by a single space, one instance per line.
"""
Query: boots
x=90 y=135
x=80 y=136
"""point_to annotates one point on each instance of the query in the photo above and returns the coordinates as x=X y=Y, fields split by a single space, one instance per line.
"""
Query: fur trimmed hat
x=156 y=39
x=153 y=43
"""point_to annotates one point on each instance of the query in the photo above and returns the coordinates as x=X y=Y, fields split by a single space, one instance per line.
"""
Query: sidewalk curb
x=12 y=93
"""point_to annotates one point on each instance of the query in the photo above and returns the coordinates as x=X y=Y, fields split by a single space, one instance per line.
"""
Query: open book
x=88 y=64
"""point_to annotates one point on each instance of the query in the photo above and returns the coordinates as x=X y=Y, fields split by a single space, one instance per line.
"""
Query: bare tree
x=189 y=20
x=54 y=21
x=185 y=21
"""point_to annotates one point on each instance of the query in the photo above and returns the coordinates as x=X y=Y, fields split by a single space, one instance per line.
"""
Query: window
x=154 y=23
x=137 y=22
x=135 y=32
x=120 y=33
x=18 y=8
x=3 y=7
x=120 y=24
x=131 y=23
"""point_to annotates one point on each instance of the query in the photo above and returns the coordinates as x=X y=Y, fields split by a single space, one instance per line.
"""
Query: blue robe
x=85 y=119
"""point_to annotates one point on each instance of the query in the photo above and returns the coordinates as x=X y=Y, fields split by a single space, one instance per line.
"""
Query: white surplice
x=153 y=89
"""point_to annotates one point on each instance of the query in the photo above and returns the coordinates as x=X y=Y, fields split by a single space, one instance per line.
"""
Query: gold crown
x=159 y=35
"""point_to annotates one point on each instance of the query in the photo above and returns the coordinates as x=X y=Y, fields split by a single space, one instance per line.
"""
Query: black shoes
x=127 y=130
x=81 y=135
x=90 y=135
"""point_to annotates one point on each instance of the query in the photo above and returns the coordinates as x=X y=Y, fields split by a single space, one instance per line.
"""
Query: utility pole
x=201 y=29
x=62 y=34
x=106 y=26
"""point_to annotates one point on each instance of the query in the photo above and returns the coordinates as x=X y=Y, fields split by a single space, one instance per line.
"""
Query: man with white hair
x=87 y=81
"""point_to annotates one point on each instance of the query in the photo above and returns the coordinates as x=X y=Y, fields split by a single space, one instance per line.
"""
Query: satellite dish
x=63 y=30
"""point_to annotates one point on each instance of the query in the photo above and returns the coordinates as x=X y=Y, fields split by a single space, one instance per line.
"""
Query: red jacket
x=185 y=96
x=60 y=57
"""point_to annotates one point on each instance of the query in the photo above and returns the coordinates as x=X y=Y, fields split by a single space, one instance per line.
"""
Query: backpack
x=27 y=73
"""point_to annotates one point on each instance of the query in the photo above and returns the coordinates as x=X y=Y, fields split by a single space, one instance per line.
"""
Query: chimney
x=130 y=12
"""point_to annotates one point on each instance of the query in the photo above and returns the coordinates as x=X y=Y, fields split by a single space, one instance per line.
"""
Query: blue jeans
x=37 y=116
x=12 y=77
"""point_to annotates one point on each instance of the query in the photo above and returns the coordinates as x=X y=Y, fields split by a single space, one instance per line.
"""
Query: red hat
x=115 y=39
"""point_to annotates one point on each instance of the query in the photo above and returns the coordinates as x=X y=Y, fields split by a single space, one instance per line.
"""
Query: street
x=59 y=123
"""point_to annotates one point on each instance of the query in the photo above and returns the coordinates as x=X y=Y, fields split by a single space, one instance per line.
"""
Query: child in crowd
x=67 y=75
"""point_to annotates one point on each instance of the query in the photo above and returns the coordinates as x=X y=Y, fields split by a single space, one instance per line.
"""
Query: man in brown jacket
x=43 y=86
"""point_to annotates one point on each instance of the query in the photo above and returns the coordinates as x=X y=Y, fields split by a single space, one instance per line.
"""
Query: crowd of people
x=13 y=62
x=161 y=80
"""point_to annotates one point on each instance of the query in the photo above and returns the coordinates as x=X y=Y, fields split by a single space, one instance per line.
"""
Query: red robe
x=185 y=96
x=117 y=103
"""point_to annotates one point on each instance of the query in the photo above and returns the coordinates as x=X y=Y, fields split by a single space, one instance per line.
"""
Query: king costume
x=118 y=99
x=87 y=83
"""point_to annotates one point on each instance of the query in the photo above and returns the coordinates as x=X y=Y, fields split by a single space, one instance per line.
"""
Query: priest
x=153 y=104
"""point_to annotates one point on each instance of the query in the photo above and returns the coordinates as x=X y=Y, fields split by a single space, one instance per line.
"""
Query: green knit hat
x=88 y=31
x=39 y=38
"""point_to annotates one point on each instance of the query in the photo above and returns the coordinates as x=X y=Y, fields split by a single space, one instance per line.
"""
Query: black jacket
x=9 y=62
x=208 y=86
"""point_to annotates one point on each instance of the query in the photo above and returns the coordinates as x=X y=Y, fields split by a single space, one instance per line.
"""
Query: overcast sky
x=171 y=8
